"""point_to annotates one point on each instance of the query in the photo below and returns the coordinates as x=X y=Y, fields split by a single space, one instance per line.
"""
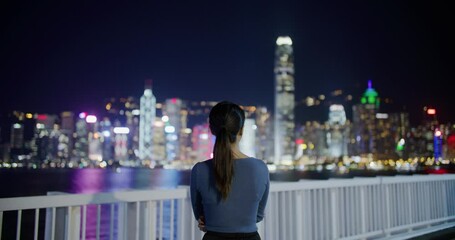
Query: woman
x=229 y=192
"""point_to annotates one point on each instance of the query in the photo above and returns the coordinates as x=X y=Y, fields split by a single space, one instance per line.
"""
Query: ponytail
x=223 y=161
x=226 y=120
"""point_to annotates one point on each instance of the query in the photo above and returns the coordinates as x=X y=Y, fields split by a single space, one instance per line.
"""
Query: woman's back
x=245 y=204
x=229 y=192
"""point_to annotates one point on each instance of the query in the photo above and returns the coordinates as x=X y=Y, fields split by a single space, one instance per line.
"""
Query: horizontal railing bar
x=418 y=178
x=65 y=200
x=320 y=184
x=419 y=224
x=364 y=235
x=356 y=181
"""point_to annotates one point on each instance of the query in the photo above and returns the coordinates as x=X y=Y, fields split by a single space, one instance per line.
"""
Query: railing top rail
x=65 y=200
x=418 y=178
x=182 y=192
x=356 y=181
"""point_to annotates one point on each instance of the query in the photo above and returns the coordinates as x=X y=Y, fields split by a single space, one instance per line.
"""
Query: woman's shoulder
x=202 y=164
x=257 y=162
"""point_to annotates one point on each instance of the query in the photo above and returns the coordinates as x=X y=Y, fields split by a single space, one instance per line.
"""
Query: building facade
x=284 y=125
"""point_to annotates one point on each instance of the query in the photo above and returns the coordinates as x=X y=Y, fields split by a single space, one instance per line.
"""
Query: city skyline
x=60 y=57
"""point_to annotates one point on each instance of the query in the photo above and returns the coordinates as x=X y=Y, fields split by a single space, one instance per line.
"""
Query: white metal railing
x=396 y=207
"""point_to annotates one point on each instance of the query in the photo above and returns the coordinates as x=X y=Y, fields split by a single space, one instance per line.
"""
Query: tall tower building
x=364 y=120
x=176 y=122
x=146 y=121
x=17 y=136
x=284 y=125
x=248 y=140
x=203 y=142
x=337 y=132
x=67 y=130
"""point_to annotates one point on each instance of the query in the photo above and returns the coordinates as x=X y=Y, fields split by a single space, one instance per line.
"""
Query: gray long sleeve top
x=245 y=204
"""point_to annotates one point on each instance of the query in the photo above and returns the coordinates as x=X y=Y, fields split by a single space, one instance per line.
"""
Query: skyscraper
x=248 y=140
x=147 y=119
x=176 y=122
x=364 y=120
x=284 y=101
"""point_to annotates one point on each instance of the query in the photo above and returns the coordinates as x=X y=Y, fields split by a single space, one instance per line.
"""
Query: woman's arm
x=196 y=200
x=263 y=201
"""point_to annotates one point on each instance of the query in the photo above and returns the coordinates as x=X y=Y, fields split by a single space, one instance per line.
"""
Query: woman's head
x=226 y=116
x=226 y=121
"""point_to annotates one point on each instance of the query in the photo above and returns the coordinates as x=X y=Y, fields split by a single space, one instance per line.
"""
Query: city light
x=121 y=130
x=437 y=133
x=431 y=111
x=382 y=115
x=336 y=107
x=90 y=119
x=106 y=133
x=284 y=41
x=82 y=115
x=204 y=136
x=158 y=123
x=41 y=117
x=169 y=129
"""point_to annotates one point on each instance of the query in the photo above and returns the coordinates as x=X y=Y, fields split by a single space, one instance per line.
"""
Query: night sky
x=71 y=55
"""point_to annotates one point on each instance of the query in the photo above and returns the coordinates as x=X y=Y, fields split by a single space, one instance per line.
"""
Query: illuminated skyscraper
x=337 y=115
x=264 y=131
x=159 y=142
x=337 y=135
x=81 y=141
x=203 y=142
x=284 y=100
x=248 y=140
x=67 y=129
x=44 y=145
x=364 y=120
x=174 y=126
x=124 y=112
x=147 y=119
x=17 y=136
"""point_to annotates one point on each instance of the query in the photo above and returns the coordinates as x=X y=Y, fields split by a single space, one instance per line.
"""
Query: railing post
x=334 y=213
x=185 y=217
x=55 y=226
x=267 y=222
x=182 y=223
x=122 y=221
x=409 y=187
x=362 y=210
x=73 y=223
x=127 y=220
x=149 y=227
x=298 y=214
x=444 y=201
x=387 y=208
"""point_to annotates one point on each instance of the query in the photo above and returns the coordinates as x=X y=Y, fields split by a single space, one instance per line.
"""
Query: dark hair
x=226 y=119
